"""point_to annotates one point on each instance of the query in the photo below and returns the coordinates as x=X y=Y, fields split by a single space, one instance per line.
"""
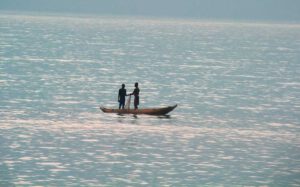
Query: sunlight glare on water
x=237 y=87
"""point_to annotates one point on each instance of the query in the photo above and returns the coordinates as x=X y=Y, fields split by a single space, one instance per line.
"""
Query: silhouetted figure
x=136 y=93
x=121 y=96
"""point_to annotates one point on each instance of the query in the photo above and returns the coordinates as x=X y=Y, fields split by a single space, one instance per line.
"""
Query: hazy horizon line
x=146 y=17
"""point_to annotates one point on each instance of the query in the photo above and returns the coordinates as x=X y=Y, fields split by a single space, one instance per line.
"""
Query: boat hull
x=148 y=111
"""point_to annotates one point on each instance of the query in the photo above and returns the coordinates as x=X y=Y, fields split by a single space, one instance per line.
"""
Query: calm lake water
x=237 y=86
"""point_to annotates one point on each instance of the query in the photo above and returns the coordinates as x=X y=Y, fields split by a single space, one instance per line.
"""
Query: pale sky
x=273 y=10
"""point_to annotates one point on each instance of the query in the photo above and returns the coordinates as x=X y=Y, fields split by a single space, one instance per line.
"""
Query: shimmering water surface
x=237 y=86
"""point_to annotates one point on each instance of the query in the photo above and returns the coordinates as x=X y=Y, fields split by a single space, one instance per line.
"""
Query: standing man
x=136 y=93
x=121 y=96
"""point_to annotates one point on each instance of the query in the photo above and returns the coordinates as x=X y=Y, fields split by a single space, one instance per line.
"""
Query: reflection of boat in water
x=149 y=111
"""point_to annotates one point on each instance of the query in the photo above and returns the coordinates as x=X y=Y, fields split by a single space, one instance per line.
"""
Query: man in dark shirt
x=121 y=96
x=136 y=93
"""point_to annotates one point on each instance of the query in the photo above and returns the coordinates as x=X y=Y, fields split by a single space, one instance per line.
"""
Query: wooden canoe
x=148 y=111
